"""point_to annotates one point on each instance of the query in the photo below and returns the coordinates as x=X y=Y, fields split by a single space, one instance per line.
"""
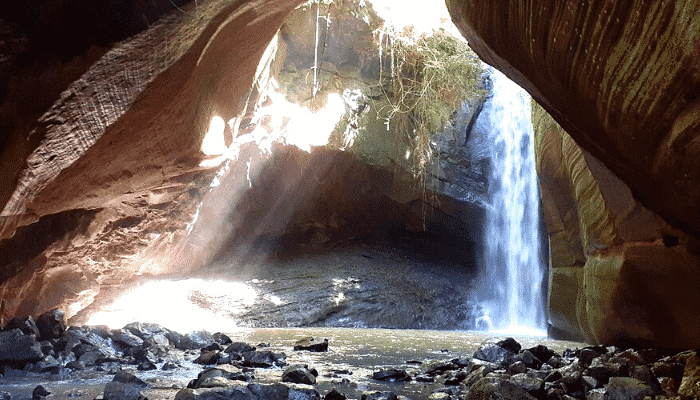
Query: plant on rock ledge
x=430 y=76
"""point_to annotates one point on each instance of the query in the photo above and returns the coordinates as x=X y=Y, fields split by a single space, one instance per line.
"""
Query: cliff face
x=115 y=183
x=619 y=173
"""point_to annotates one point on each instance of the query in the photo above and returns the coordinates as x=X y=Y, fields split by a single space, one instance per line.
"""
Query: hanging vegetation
x=430 y=76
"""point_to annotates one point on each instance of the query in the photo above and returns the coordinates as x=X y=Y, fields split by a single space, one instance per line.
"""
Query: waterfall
x=510 y=288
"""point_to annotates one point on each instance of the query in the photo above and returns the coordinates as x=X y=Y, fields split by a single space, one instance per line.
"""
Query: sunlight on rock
x=214 y=143
x=183 y=306
x=405 y=13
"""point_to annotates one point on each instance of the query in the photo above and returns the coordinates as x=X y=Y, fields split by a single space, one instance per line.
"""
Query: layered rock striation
x=619 y=172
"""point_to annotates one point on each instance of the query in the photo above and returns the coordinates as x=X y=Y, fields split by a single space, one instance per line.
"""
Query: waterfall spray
x=511 y=286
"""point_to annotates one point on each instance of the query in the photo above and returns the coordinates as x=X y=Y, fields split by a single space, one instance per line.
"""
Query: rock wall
x=621 y=79
x=610 y=256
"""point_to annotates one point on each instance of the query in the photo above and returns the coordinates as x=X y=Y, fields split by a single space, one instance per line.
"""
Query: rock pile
x=498 y=369
x=503 y=370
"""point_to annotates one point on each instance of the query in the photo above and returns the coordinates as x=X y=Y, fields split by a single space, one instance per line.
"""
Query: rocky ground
x=499 y=369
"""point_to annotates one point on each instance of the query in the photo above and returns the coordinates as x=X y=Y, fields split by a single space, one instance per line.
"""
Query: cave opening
x=321 y=189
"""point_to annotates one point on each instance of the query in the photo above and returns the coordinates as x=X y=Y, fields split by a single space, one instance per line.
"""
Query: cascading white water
x=511 y=286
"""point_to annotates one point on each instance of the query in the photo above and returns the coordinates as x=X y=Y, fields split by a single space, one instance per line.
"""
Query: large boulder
x=18 y=348
x=619 y=172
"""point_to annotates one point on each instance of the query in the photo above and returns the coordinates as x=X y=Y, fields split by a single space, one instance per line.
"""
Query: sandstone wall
x=618 y=272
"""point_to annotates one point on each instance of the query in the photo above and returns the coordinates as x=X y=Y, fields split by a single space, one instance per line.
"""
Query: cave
x=250 y=152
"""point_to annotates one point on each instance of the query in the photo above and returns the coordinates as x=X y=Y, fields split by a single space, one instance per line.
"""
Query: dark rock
x=531 y=383
x=18 y=348
x=424 y=378
x=543 y=353
x=39 y=392
x=274 y=391
x=557 y=362
x=597 y=394
x=622 y=388
x=334 y=394
x=438 y=367
x=510 y=344
x=239 y=347
x=75 y=365
x=47 y=348
x=391 y=375
x=264 y=359
x=303 y=393
x=235 y=391
x=298 y=374
x=454 y=377
x=207 y=358
x=379 y=396
x=146 y=366
x=129 y=379
x=497 y=388
x=145 y=330
x=212 y=347
x=46 y=364
x=309 y=345
x=122 y=391
x=5 y=396
x=668 y=368
x=690 y=383
x=603 y=371
x=222 y=338
x=196 y=340
x=209 y=375
x=110 y=367
x=126 y=338
x=493 y=352
x=590 y=382
x=628 y=357
x=475 y=375
x=462 y=361
x=587 y=355
x=517 y=367
x=25 y=324
x=94 y=336
x=530 y=360
x=145 y=355
x=553 y=376
x=92 y=358
x=169 y=366
x=51 y=324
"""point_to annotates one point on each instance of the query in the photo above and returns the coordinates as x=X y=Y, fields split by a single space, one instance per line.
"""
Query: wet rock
x=39 y=392
x=497 y=388
x=239 y=347
x=238 y=391
x=25 y=324
x=495 y=353
x=476 y=375
x=274 y=391
x=391 y=375
x=439 y=396
x=264 y=359
x=92 y=358
x=303 y=392
x=75 y=365
x=438 y=367
x=587 y=355
x=510 y=344
x=530 y=382
x=424 y=378
x=379 y=396
x=622 y=388
x=145 y=330
x=454 y=377
x=18 y=348
x=543 y=353
x=94 y=337
x=597 y=394
x=222 y=338
x=207 y=358
x=298 y=374
x=46 y=364
x=5 y=396
x=146 y=366
x=210 y=373
x=169 y=366
x=629 y=357
x=690 y=383
x=122 y=391
x=308 y=344
x=334 y=394
x=126 y=338
x=529 y=359
x=517 y=367
x=129 y=379
x=51 y=324
x=196 y=340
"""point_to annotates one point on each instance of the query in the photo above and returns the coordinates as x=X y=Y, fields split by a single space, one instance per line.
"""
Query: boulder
x=391 y=375
x=237 y=390
x=51 y=324
x=497 y=388
x=25 y=324
x=310 y=345
x=125 y=338
x=493 y=352
x=239 y=347
x=264 y=359
x=18 y=348
x=298 y=374
x=624 y=388
x=334 y=394
x=196 y=340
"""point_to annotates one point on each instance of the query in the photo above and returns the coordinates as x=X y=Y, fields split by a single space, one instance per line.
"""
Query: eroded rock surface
x=620 y=79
